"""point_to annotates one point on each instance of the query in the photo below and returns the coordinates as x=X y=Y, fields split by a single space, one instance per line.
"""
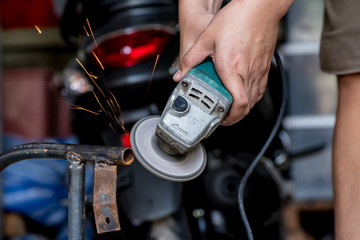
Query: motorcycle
x=122 y=73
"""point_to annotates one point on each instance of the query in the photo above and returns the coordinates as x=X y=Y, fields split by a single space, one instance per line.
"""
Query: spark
x=106 y=100
x=97 y=99
x=117 y=107
x=112 y=114
x=84 y=109
x=97 y=49
x=122 y=125
x=152 y=74
x=112 y=106
x=97 y=59
x=87 y=33
x=101 y=91
x=116 y=111
x=112 y=127
x=90 y=75
x=38 y=29
x=93 y=76
x=92 y=34
x=117 y=104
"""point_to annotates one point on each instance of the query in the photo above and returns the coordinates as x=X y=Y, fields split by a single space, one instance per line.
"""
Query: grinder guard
x=178 y=168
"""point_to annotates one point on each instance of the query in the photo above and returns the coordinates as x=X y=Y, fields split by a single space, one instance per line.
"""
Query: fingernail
x=177 y=75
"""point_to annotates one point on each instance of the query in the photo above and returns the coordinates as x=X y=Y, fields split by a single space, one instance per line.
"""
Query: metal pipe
x=76 y=208
x=96 y=154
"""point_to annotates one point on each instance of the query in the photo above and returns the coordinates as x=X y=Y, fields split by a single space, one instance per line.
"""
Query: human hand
x=241 y=40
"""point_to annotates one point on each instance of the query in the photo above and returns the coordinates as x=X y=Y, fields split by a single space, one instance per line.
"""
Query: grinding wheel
x=178 y=168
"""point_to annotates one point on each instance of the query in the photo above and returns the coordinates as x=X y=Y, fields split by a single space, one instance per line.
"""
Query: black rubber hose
x=97 y=154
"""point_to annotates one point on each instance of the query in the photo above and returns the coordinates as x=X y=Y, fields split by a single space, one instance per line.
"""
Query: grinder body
x=169 y=146
x=195 y=108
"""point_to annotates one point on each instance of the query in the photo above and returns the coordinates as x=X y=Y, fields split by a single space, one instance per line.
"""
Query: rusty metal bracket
x=104 y=199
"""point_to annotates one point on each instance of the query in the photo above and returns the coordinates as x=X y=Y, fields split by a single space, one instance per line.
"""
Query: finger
x=196 y=55
x=237 y=112
x=241 y=99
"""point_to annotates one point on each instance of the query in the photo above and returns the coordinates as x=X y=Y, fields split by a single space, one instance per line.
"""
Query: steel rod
x=96 y=154
x=76 y=208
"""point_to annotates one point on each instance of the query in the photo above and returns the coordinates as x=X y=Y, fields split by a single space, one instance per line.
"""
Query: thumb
x=193 y=57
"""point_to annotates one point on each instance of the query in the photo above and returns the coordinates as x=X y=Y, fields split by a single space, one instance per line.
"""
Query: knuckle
x=243 y=102
x=185 y=62
x=246 y=110
x=243 y=105
x=260 y=93
x=204 y=37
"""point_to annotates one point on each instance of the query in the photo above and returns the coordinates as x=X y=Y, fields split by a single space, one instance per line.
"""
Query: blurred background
x=33 y=56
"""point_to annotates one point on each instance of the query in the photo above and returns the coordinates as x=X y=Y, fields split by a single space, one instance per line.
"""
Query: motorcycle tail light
x=129 y=47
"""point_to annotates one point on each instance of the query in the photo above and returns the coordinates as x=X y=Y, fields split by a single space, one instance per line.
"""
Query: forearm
x=260 y=13
x=346 y=164
x=194 y=17
x=213 y=6
x=266 y=8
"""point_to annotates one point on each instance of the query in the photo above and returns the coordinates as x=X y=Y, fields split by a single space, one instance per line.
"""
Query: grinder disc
x=147 y=151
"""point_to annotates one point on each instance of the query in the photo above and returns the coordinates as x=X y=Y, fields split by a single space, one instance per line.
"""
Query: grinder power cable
x=169 y=145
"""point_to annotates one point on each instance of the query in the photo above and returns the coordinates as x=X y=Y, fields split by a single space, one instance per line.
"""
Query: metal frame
x=76 y=155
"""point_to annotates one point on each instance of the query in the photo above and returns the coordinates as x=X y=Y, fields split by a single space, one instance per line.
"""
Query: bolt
x=221 y=109
x=185 y=84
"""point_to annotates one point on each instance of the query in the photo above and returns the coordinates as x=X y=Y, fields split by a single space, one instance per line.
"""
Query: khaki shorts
x=340 y=40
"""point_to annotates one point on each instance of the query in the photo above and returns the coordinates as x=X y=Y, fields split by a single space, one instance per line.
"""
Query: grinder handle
x=207 y=73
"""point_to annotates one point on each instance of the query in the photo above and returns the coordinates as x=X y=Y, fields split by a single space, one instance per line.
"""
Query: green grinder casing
x=207 y=73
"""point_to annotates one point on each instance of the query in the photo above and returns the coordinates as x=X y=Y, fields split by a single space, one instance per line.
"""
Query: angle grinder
x=170 y=145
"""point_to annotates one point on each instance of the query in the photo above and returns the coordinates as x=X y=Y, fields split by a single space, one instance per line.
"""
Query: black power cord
x=264 y=148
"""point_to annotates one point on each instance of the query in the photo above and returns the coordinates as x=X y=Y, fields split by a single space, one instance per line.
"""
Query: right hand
x=240 y=38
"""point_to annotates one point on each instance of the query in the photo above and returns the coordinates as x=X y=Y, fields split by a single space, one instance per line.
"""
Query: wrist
x=275 y=8
x=209 y=6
